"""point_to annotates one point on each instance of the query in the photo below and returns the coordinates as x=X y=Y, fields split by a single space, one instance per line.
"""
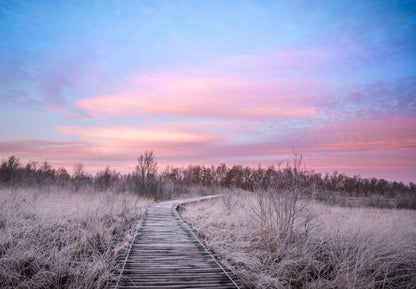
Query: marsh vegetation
x=283 y=226
x=58 y=239
x=270 y=241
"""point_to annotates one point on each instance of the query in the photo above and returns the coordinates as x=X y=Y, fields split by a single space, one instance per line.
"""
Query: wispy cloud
x=178 y=95
x=62 y=74
x=121 y=138
x=35 y=145
x=44 y=84
x=364 y=135
x=59 y=153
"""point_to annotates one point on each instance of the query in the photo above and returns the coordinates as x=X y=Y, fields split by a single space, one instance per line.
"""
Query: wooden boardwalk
x=165 y=253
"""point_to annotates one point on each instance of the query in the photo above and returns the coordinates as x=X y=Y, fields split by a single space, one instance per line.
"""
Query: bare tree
x=78 y=176
x=146 y=174
x=9 y=169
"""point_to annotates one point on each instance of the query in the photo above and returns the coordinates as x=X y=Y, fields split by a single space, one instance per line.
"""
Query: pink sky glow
x=224 y=120
x=210 y=82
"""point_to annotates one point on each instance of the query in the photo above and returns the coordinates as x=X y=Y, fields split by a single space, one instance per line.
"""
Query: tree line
x=148 y=181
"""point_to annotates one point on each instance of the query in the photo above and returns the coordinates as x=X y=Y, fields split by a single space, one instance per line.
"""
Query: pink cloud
x=366 y=147
x=57 y=153
x=369 y=148
x=115 y=139
x=29 y=146
x=221 y=140
x=177 y=95
x=365 y=135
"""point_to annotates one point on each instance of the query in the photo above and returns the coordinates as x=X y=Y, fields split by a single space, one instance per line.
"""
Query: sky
x=210 y=82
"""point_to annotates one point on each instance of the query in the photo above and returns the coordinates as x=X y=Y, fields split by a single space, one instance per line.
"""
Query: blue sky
x=209 y=82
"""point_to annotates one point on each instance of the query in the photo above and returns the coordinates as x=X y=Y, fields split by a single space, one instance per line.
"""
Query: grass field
x=328 y=247
x=53 y=238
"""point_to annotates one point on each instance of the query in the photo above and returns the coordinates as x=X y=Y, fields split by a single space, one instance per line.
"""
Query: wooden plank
x=166 y=254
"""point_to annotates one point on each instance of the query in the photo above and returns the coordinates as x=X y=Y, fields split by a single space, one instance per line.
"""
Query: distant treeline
x=147 y=181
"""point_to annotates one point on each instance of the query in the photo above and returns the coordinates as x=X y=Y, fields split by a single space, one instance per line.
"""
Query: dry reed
x=330 y=247
x=61 y=239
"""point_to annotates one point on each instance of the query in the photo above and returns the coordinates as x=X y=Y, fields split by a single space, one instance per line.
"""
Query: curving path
x=165 y=253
